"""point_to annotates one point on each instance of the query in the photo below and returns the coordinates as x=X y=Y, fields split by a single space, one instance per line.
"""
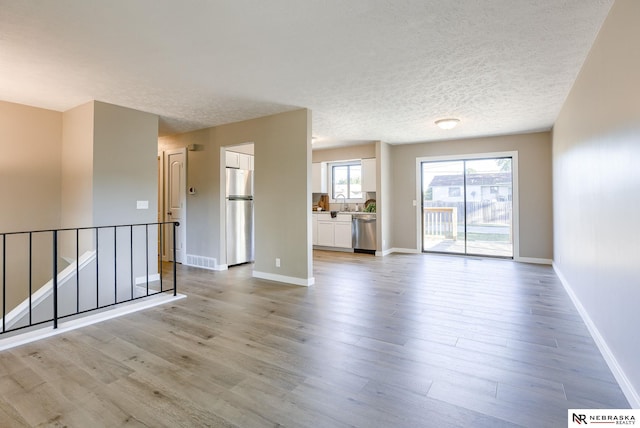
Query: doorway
x=467 y=206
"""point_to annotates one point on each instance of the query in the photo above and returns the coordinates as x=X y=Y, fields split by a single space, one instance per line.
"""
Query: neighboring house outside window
x=346 y=180
x=480 y=187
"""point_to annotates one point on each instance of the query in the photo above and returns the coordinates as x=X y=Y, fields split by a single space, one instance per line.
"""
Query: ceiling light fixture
x=447 y=123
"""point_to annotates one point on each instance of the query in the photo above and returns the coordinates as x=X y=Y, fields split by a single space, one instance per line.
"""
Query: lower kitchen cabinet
x=342 y=235
x=333 y=232
x=325 y=233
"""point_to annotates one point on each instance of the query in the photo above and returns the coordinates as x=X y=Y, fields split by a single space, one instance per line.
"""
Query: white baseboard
x=534 y=260
x=404 y=250
x=625 y=384
x=344 y=250
x=286 y=279
x=143 y=279
x=384 y=252
x=83 y=321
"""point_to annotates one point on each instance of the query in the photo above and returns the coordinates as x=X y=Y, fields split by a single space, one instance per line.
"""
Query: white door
x=175 y=177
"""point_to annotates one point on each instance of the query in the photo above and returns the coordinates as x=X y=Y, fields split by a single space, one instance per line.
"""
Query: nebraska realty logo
x=603 y=417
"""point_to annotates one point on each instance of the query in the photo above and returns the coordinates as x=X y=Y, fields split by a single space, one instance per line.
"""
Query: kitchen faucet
x=344 y=200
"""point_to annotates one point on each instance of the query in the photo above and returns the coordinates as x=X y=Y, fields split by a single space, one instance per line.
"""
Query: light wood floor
x=399 y=341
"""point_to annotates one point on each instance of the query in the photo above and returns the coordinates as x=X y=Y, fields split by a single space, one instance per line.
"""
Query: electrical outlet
x=277 y=262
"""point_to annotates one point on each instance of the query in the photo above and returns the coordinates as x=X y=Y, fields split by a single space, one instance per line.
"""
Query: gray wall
x=125 y=166
x=534 y=153
x=282 y=145
x=596 y=168
x=84 y=167
x=125 y=170
x=108 y=163
x=30 y=171
x=384 y=196
x=77 y=166
x=203 y=208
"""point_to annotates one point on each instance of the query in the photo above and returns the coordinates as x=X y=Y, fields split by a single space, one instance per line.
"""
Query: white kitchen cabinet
x=342 y=234
x=245 y=161
x=314 y=228
x=232 y=159
x=325 y=233
x=238 y=160
x=319 y=177
x=369 y=175
x=333 y=232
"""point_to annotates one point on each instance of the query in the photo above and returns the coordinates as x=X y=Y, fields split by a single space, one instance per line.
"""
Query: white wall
x=596 y=170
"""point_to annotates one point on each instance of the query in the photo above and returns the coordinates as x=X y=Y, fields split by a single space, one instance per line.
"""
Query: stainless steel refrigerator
x=239 y=200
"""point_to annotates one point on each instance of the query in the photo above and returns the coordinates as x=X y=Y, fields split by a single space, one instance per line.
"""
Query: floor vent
x=202 y=262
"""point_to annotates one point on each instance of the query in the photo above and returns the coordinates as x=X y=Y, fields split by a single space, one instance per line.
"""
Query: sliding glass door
x=443 y=214
x=467 y=206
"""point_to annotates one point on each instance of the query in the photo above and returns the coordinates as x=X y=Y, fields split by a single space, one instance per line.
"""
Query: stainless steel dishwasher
x=363 y=233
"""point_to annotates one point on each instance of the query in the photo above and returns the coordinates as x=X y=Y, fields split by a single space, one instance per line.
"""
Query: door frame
x=167 y=255
x=515 y=221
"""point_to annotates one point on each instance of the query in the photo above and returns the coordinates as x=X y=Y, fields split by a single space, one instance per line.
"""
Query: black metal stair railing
x=127 y=280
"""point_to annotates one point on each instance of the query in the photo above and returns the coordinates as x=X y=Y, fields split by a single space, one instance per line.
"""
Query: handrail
x=88 y=228
x=124 y=287
x=441 y=221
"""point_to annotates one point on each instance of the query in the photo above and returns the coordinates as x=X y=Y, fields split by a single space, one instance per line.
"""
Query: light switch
x=142 y=205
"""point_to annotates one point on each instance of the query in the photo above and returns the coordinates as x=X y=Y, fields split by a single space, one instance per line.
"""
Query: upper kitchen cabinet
x=319 y=177
x=245 y=161
x=369 y=175
x=233 y=159
x=239 y=160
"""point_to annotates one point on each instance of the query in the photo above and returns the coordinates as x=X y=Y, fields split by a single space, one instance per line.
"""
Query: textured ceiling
x=368 y=69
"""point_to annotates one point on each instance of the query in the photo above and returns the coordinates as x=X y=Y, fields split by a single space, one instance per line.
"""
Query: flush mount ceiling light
x=447 y=123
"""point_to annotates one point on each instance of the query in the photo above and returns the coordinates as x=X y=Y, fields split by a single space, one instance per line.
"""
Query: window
x=346 y=180
x=454 y=192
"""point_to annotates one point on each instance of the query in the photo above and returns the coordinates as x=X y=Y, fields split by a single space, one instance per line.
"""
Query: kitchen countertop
x=344 y=212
